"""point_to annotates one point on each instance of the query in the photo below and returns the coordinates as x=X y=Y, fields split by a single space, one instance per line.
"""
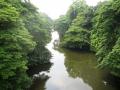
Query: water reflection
x=83 y=65
x=39 y=79
x=38 y=84
x=71 y=71
x=39 y=68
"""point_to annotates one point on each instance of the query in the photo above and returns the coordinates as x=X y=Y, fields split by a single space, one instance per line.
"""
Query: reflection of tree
x=83 y=65
x=40 y=55
x=36 y=69
x=39 y=84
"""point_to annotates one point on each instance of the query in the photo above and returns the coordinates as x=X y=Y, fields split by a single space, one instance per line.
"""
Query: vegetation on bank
x=76 y=33
x=93 y=29
x=23 y=35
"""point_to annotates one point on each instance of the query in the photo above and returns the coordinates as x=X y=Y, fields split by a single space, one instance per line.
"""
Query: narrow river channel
x=72 y=70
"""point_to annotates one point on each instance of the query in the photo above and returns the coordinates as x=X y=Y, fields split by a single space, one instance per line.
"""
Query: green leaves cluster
x=105 y=35
x=22 y=30
x=8 y=15
x=62 y=25
x=39 y=26
x=77 y=38
x=15 y=43
x=76 y=26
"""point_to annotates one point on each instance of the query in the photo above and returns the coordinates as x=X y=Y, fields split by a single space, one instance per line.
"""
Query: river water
x=72 y=70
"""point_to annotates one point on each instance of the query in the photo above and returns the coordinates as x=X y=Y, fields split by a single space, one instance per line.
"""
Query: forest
x=94 y=29
x=24 y=33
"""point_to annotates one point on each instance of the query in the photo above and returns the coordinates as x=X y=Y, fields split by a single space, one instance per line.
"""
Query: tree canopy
x=93 y=29
x=22 y=30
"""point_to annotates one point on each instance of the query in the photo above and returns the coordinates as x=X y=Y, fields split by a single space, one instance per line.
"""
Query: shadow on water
x=38 y=84
x=39 y=68
x=39 y=79
x=71 y=70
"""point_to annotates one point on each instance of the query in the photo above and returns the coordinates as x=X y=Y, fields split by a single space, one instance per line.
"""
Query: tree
x=78 y=34
x=61 y=25
x=105 y=36
x=39 y=25
x=17 y=41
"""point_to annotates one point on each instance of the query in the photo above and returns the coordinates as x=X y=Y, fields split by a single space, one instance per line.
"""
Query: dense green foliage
x=61 y=25
x=21 y=32
x=105 y=37
x=76 y=26
x=39 y=25
x=15 y=44
x=78 y=33
x=94 y=28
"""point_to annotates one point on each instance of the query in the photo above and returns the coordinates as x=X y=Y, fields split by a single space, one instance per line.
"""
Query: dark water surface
x=71 y=70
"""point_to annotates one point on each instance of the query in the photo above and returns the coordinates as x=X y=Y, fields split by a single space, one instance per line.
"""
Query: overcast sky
x=55 y=8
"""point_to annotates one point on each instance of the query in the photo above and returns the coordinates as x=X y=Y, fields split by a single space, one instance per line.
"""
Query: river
x=72 y=70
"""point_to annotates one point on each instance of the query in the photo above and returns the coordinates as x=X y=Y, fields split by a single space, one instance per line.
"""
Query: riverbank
x=73 y=70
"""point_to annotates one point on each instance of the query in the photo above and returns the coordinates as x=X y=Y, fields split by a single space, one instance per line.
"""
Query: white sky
x=55 y=8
